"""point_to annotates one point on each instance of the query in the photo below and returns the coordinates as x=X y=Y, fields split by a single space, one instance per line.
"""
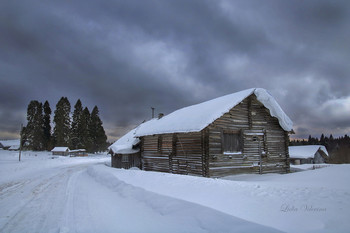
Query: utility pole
x=20 y=143
x=152 y=112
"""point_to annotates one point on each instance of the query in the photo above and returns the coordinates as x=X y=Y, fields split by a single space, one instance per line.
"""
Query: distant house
x=244 y=132
x=125 y=152
x=310 y=154
x=60 y=151
x=7 y=144
x=78 y=152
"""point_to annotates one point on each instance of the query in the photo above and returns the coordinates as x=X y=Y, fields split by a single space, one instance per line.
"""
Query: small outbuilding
x=64 y=151
x=125 y=152
x=7 y=144
x=309 y=154
x=78 y=152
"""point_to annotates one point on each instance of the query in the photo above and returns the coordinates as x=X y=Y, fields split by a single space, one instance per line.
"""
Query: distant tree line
x=83 y=130
x=338 y=148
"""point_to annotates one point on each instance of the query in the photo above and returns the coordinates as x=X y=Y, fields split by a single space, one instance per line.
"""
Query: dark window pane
x=232 y=142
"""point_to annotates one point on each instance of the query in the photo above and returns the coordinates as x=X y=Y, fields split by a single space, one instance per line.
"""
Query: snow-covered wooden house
x=78 y=152
x=310 y=154
x=60 y=151
x=244 y=132
x=125 y=152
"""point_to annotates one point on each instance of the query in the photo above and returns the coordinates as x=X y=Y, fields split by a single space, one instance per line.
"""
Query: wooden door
x=253 y=148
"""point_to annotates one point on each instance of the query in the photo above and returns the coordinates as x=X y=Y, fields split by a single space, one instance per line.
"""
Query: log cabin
x=78 y=153
x=244 y=132
x=64 y=151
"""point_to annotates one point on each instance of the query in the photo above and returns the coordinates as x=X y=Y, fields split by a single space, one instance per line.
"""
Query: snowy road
x=37 y=202
x=82 y=195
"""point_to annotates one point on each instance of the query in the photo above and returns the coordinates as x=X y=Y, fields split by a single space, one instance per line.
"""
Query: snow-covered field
x=41 y=194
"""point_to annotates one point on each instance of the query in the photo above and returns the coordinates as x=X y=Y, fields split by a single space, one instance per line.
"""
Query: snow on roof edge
x=60 y=149
x=11 y=142
x=275 y=109
x=306 y=151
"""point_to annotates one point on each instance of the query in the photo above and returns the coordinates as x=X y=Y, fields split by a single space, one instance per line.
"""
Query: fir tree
x=97 y=132
x=322 y=140
x=77 y=127
x=62 y=122
x=34 y=132
x=24 y=135
x=85 y=133
x=47 y=143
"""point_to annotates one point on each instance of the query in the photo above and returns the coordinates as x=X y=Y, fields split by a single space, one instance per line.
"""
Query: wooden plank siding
x=156 y=157
x=264 y=145
x=179 y=153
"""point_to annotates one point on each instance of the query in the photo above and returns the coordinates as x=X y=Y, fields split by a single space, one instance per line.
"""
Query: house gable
x=260 y=133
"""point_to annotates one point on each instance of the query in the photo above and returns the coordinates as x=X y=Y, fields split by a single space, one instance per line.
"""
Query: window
x=232 y=142
x=125 y=158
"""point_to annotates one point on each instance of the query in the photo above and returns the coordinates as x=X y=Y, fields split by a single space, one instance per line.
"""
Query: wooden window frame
x=237 y=133
x=125 y=158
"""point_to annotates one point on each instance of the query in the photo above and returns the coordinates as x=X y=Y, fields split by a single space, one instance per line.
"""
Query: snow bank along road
x=308 y=201
x=41 y=194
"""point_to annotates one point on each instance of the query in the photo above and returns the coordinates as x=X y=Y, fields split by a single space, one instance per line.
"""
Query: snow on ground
x=311 y=201
x=308 y=166
x=43 y=193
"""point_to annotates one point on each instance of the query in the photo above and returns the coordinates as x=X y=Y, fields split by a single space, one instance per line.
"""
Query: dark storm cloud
x=126 y=56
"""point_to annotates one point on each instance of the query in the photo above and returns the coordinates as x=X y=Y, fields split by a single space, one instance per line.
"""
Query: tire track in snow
x=10 y=188
x=69 y=215
x=34 y=196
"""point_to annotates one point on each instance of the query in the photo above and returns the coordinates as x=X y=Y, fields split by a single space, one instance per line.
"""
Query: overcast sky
x=128 y=56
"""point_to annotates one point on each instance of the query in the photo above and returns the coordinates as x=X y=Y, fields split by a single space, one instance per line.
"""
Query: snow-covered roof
x=9 y=143
x=305 y=152
x=60 y=149
x=125 y=144
x=78 y=150
x=196 y=117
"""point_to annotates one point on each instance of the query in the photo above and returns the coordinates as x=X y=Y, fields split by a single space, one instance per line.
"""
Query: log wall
x=178 y=153
x=134 y=160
